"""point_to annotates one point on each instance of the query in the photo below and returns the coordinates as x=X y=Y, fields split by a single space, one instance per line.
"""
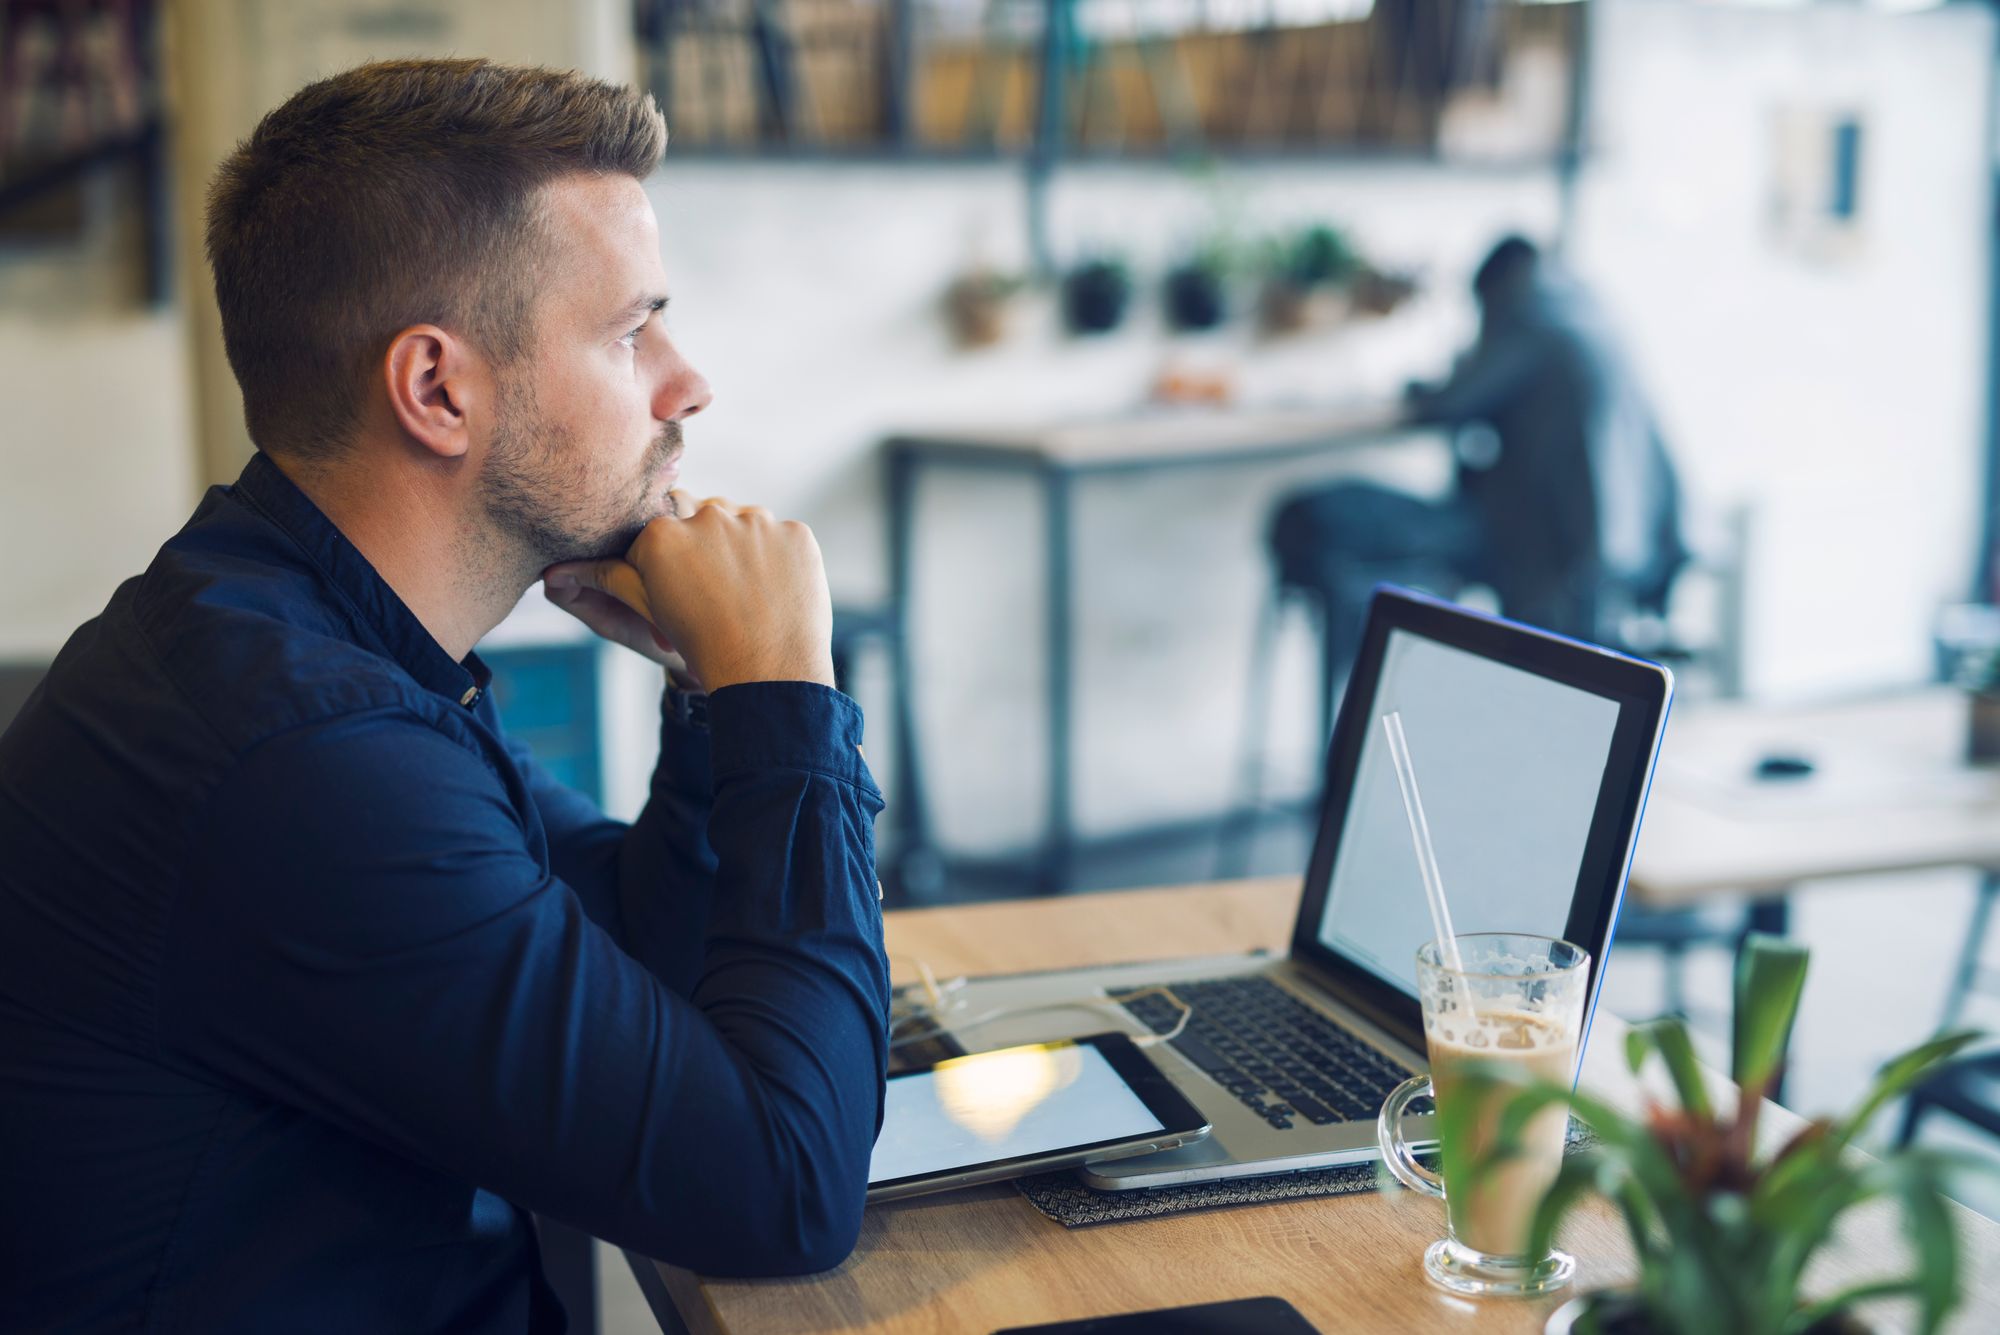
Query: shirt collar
x=378 y=614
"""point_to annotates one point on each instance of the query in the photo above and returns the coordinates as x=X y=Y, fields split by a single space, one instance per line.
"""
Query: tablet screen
x=1001 y=1105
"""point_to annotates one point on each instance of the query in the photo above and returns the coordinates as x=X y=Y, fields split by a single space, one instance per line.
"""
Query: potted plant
x=1095 y=294
x=977 y=306
x=1724 y=1229
x=1318 y=260
x=1196 y=290
x=1379 y=292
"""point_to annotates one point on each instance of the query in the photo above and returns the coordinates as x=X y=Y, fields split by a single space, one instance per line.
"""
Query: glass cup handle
x=1395 y=1150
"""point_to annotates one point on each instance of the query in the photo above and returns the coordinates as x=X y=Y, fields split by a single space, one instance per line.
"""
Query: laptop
x=1533 y=754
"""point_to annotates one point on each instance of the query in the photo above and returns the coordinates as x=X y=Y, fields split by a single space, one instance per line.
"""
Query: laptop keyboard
x=1280 y=1057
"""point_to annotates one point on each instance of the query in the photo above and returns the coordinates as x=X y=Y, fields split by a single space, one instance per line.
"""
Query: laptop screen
x=1510 y=765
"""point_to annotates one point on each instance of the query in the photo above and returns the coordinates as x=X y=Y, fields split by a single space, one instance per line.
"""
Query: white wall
x=810 y=296
x=1845 y=400
x=96 y=455
x=1845 y=397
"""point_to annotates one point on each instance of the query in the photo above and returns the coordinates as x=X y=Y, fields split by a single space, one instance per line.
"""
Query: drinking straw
x=1420 y=837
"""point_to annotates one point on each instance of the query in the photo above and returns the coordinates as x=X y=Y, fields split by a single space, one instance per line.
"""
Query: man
x=311 y=983
x=1572 y=497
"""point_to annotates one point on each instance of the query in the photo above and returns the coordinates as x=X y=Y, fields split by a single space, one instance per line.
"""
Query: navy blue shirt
x=312 y=984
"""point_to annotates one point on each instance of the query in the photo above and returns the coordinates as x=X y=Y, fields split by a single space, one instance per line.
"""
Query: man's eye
x=632 y=339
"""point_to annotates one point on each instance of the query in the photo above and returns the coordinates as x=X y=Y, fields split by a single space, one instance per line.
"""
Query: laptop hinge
x=1390 y=1027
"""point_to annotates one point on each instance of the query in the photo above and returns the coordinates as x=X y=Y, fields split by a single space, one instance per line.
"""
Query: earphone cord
x=937 y=1004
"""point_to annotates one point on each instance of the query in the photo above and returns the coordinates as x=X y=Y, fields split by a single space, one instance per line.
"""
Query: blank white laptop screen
x=1509 y=764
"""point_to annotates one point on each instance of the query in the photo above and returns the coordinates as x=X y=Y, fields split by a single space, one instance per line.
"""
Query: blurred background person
x=1565 y=503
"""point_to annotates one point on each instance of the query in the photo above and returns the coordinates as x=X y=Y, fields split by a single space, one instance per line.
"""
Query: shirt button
x=471 y=694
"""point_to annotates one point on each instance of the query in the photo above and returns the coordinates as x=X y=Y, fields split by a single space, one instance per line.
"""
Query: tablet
x=1028 y=1109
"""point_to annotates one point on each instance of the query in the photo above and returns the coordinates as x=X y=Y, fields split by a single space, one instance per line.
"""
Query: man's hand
x=738 y=594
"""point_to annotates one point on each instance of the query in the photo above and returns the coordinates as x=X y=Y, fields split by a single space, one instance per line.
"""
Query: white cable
x=938 y=1012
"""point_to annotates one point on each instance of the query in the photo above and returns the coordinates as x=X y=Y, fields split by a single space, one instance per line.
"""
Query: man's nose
x=683 y=392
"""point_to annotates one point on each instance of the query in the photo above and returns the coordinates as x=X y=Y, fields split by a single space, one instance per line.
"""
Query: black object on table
x=1239 y=1316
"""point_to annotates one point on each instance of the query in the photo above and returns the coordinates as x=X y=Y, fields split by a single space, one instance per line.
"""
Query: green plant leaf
x=1802 y=1159
x=1917 y=1178
x=1800 y=1219
x=1804 y=1319
x=1692 y=1266
x=1668 y=1036
x=1770 y=976
x=1897 y=1075
x=1638 y=1046
x=1580 y=1175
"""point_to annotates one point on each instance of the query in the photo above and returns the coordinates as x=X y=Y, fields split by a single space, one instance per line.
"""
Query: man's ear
x=434 y=380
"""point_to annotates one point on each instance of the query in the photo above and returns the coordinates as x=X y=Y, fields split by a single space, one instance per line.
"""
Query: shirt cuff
x=798 y=725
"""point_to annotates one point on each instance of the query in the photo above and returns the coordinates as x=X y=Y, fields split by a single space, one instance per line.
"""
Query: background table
x=1057 y=458
x=983 y=1259
x=1890 y=791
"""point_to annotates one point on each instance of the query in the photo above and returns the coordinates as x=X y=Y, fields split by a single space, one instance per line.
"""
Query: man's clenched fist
x=738 y=594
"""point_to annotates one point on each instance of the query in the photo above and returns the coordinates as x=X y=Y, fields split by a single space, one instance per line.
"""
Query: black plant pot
x=1094 y=297
x=1194 y=298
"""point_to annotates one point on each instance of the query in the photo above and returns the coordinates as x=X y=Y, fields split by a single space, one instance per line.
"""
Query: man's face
x=587 y=440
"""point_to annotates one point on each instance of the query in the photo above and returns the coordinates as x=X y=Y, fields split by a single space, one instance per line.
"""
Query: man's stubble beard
x=539 y=505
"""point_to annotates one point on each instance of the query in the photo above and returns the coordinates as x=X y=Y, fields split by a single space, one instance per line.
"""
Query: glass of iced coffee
x=1513 y=1009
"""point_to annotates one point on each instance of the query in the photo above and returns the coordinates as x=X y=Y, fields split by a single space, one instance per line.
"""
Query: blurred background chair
x=908 y=865
x=1968 y=1089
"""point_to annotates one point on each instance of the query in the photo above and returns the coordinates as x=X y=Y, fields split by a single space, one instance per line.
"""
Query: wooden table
x=1056 y=457
x=1890 y=791
x=982 y=1259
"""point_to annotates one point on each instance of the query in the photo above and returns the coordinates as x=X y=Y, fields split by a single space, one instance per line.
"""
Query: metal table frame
x=1057 y=472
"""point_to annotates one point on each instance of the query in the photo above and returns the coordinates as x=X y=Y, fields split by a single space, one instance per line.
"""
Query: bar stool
x=1969 y=1088
x=911 y=867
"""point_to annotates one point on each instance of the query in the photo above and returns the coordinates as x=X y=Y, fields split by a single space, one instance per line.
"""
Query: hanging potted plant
x=1724 y=1232
x=978 y=306
x=1196 y=290
x=1095 y=294
x=1379 y=292
x=1301 y=270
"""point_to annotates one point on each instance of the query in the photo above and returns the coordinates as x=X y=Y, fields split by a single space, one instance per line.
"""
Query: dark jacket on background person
x=1580 y=487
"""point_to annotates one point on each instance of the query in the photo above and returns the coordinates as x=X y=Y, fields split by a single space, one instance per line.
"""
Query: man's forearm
x=793 y=972
x=666 y=868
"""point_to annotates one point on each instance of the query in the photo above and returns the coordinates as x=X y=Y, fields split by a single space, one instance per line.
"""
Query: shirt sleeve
x=649 y=883
x=367 y=937
x=1482 y=383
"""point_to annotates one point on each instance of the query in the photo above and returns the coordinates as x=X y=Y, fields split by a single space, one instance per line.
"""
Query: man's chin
x=608 y=547
x=622 y=541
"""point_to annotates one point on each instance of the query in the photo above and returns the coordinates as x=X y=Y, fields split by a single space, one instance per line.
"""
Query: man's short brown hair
x=398 y=193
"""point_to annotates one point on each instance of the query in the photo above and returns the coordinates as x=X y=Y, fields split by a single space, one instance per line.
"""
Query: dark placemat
x=1063 y=1197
